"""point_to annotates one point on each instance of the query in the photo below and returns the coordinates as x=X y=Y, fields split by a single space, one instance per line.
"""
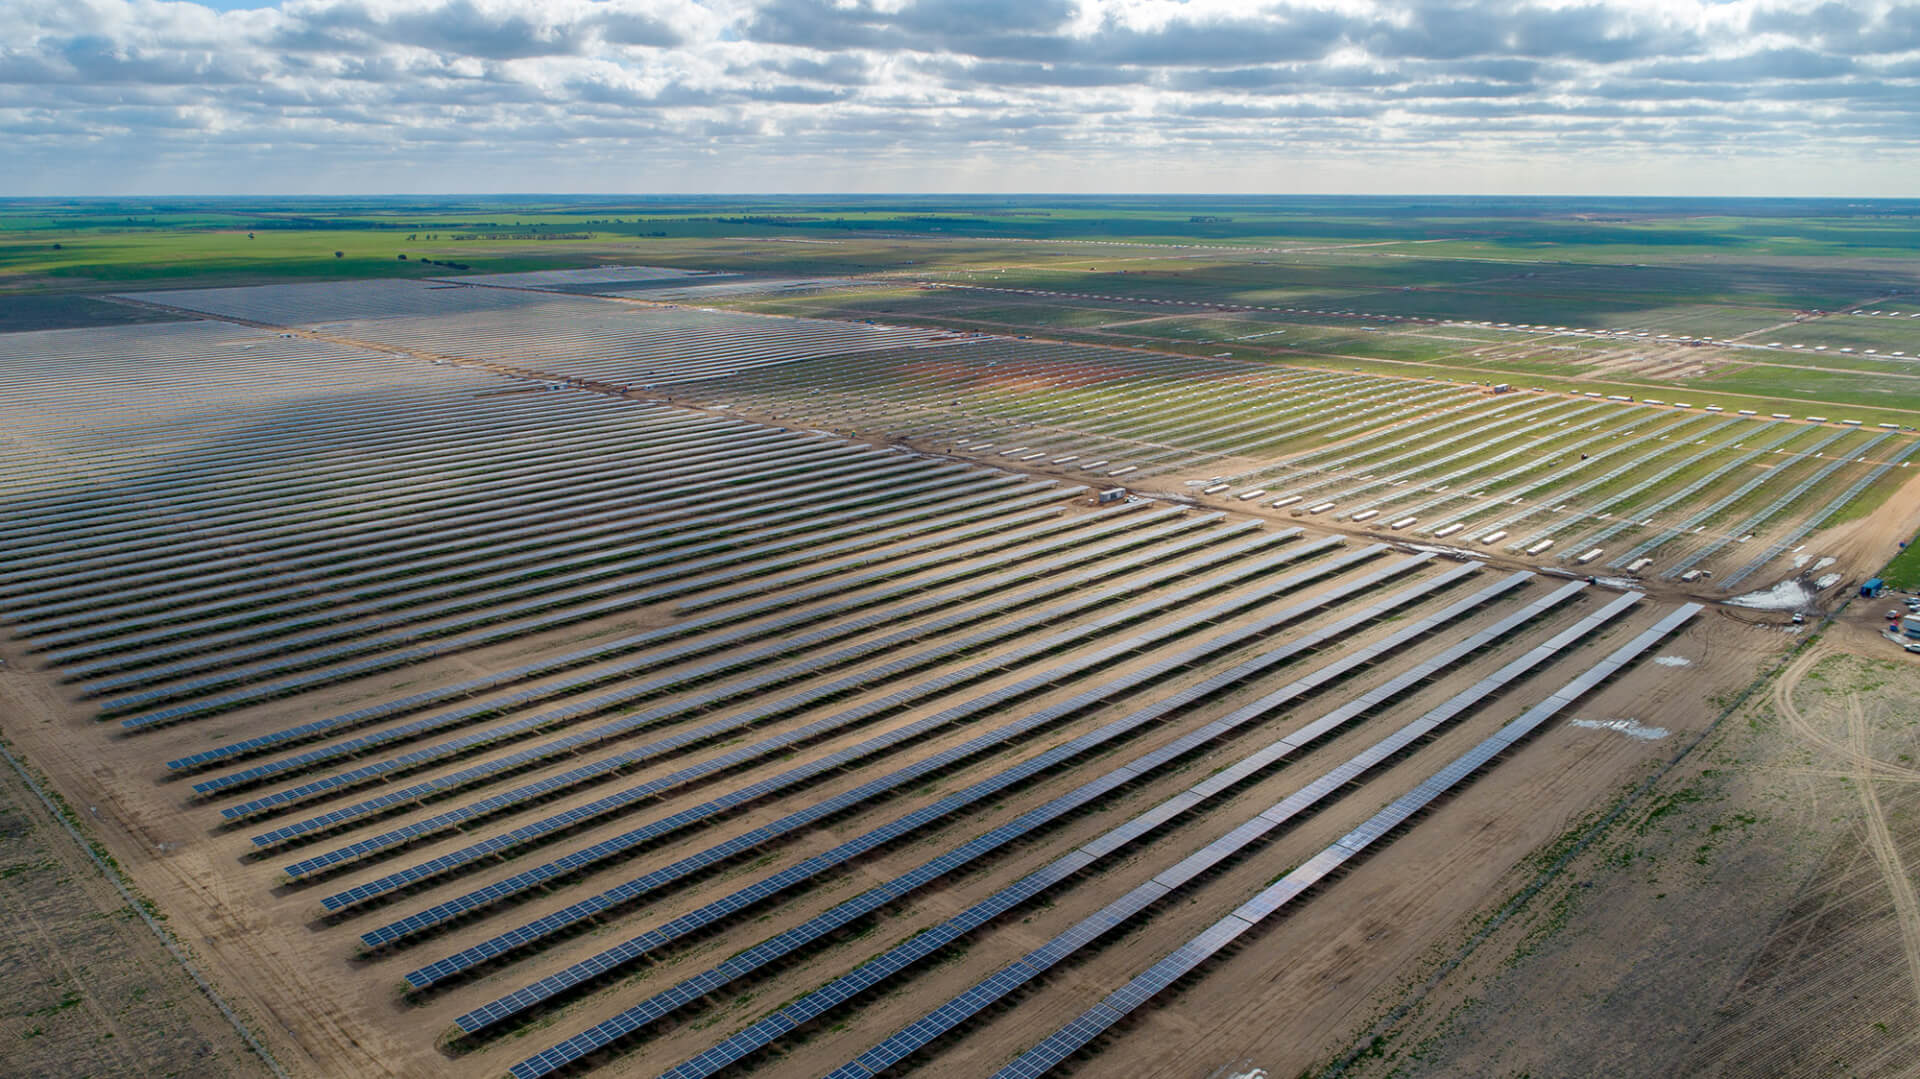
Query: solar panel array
x=570 y=744
x=1021 y=828
x=1057 y=1047
x=1646 y=482
x=459 y=671
x=563 y=336
x=979 y=706
x=1104 y=409
x=1674 y=430
x=1820 y=517
x=1746 y=527
x=1359 y=448
x=657 y=283
x=744 y=288
x=1700 y=518
x=939 y=1021
x=1366 y=449
x=921 y=946
x=1606 y=429
x=592 y=278
x=1539 y=417
x=1041 y=529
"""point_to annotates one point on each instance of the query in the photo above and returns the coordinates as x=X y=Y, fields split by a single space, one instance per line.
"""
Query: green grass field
x=1721 y=268
x=1904 y=571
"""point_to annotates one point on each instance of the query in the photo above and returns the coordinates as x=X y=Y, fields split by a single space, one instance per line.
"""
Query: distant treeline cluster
x=522 y=236
x=938 y=221
x=356 y=224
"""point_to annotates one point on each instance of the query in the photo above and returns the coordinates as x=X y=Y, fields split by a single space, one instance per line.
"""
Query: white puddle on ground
x=1824 y=563
x=1828 y=581
x=1790 y=594
x=1673 y=661
x=1629 y=727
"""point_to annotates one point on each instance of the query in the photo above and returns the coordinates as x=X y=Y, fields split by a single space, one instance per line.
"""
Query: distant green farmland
x=1150 y=272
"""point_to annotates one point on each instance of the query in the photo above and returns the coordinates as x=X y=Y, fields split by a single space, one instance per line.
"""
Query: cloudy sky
x=1498 y=96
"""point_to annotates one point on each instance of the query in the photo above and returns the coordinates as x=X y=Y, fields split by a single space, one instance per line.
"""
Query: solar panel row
x=386 y=584
x=573 y=336
x=502 y=522
x=918 y=1034
x=1150 y=409
x=88 y=537
x=90 y=407
x=1155 y=422
x=1488 y=419
x=632 y=691
x=117 y=530
x=782 y=705
x=1666 y=433
x=1650 y=480
x=764 y=749
x=1037 y=533
x=933 y=526
x=777 y=948
x=1044 y=1056
x=1532 y=453
x=1114 y=686
x=399 y=647
x=1780 y=433
x=525 y=590
x=1820 y=517
x=1665 y=535
x=1560 y=415
x=1789 y=496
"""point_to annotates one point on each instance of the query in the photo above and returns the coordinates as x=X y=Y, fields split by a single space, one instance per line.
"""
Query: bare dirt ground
x=88 y=989
x=1865 y=544
x=1752 y=914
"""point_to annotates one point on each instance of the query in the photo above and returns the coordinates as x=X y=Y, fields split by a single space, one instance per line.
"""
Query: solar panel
x=1193 y=866
x=1819 y=517
x=1484 y=415
x=62 y=565
x=1003 y=533
x=836 y=627
x=1187 y=957
x=389 y=934
x=948 y=862
x=616 y=463
x=507 y=594
x=1538 y=501
x=1791 y=495
x=1664 y=535
x=374 y=570
x=636 y=721
x=397 y=649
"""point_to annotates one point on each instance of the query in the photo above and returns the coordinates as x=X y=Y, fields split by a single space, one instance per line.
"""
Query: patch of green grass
x=1904 y=571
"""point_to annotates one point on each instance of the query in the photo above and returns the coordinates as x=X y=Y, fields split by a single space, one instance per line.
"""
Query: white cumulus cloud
x=130 y=95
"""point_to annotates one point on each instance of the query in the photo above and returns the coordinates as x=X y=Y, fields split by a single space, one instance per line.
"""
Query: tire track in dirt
x=1782 y=699
x=1782 y=694
x=1906 y=906
x=1853 y=761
